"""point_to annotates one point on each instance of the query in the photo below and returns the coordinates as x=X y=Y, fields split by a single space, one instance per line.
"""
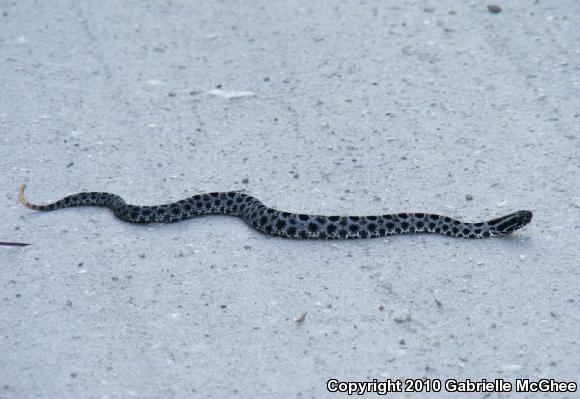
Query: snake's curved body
x=286 y=224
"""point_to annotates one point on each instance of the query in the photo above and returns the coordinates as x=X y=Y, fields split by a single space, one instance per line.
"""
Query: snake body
x=286 y=224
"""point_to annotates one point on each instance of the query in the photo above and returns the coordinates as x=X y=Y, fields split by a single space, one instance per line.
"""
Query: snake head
x=505 y=225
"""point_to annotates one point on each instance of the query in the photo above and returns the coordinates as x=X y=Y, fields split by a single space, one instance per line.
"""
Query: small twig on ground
x=13 y=244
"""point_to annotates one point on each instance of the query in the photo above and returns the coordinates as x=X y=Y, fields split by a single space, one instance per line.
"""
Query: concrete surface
x=355 y=107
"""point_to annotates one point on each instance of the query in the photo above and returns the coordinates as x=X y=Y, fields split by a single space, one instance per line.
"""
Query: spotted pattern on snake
x=287 y=224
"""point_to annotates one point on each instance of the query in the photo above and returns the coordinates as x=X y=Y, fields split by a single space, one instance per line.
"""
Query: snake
x=288 y=224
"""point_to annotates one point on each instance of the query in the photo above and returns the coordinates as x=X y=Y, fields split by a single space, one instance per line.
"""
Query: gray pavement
x=355 y=107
